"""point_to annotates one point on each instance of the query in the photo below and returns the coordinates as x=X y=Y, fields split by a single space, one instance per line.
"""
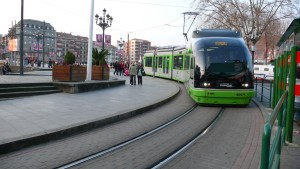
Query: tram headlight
x=206 y=84
x=245 y=85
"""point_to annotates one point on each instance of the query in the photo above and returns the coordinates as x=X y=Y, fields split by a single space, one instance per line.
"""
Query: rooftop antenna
x=188 y=13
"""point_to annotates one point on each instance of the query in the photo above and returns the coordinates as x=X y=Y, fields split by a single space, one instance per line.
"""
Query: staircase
x=26 y=89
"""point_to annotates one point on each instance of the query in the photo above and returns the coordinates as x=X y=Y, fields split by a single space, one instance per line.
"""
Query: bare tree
x=251 y=17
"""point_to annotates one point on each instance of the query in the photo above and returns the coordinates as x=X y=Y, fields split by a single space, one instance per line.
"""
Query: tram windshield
x=222 y=58
x=222 y=63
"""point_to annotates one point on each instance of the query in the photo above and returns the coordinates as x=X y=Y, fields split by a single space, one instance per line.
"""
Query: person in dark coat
x=140 y=71
x=6 y=68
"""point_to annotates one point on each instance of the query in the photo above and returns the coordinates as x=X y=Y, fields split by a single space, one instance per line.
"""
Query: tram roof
x=294 y=27
x=167 y=49
x=216 y=33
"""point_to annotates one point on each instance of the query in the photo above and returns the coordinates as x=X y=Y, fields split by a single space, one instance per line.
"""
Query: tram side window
x=148 y=62
x=164 y=65
x=178 y=62
x=160 y=62
x=167 y=64
x=192 y=62
x=186 y=63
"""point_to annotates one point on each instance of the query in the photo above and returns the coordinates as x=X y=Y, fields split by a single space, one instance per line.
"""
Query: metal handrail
x=262 y=88
x=270 y=159
x=283 y=104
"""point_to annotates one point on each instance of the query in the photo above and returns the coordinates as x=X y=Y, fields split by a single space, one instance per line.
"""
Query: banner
x=107 y=39
x=99 y=38
x=13 y=45
x=36 y=47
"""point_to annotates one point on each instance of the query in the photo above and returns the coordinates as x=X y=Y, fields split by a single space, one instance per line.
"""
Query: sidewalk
x=30 y=120
x=33 y=119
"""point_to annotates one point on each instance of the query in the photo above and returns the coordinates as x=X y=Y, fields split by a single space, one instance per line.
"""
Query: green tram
x=171 y=63
x=216 y=67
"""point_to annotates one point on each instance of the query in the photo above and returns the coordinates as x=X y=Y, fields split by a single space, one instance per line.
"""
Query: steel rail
x=180 y=150
x=125 y=143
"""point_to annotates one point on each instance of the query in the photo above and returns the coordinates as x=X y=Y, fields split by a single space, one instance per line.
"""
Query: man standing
x=132 y=72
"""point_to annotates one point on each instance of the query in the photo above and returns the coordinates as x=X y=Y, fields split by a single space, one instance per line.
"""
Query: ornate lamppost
x=120 y=44
x=38 y=37
x=103 y=23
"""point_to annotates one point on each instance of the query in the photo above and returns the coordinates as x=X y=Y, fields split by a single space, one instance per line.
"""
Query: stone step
x=5 y=96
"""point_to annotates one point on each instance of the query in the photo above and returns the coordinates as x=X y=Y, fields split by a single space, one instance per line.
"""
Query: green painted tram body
x=208 y=82
x=221 y=97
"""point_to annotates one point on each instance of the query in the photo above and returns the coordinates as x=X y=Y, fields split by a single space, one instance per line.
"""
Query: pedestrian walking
x=140 y=71
x=50 y=64
x=132 y=72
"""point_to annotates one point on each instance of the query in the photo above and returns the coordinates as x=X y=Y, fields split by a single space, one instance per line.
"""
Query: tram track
x=187 y=145
x=122 y=145
x=136 y=156
x=63 y=151
x=149 y=151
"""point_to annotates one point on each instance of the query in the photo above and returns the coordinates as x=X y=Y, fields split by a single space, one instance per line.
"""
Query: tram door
x=154 y=65
x=160 y=65
x=167 y=60
x=191 y=73
x=186 y=66
x=177 y=66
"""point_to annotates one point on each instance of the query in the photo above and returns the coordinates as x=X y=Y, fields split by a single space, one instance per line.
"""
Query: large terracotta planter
x=68 y=73
x=100 y=72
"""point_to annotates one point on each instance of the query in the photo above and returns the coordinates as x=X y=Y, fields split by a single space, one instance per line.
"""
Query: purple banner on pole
x=99 y=38
x=107 y=39
x=36 y=47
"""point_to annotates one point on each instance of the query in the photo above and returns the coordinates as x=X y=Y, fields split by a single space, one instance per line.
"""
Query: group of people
x=120 y=68
x=5 y=69
x=136 y=70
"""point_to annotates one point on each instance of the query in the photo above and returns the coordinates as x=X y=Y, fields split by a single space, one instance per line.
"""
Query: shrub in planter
x=69 y=58
x=68 y=71
x=100 y=69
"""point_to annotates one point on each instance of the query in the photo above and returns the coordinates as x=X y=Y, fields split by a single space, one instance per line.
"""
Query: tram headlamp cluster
x=245 y=85
x=206 y=84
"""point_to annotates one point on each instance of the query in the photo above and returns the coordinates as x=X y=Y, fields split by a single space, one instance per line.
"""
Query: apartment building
x=136 y=49
x=35 y=47
x=78 y=45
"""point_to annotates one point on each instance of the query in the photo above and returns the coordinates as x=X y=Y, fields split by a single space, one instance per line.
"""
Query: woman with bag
x=140 y=71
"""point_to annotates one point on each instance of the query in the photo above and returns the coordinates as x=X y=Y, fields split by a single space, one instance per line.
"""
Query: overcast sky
x=159 y=21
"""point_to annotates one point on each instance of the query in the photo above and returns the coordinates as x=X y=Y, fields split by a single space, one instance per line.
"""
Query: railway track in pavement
x=149 y=149
x=107 y=148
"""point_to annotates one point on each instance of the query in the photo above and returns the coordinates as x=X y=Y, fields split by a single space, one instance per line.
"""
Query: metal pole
x=44 y=44
x=291 y=96
x=90 y=44
x=103 y=37
x=21 y=39
x=38 y=52
x=128 y=54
